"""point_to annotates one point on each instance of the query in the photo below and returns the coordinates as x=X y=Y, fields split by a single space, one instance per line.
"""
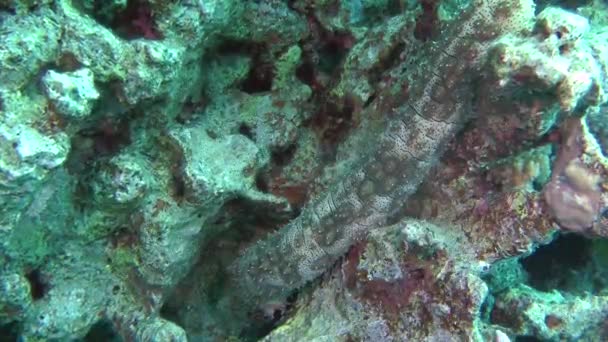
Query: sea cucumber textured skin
x=414 y=138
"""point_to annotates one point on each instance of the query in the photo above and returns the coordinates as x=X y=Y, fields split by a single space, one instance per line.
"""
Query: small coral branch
x=412 y=142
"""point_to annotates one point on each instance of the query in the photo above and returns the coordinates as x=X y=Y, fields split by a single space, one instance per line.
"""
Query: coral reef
x=327 y=170
x=409 y=281
x=414 y=138
x=108 y=192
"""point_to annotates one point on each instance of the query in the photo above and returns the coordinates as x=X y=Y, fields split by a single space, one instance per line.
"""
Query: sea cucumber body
x=414 y=138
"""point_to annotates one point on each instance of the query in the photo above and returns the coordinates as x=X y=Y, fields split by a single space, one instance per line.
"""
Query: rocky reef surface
x=303 y=170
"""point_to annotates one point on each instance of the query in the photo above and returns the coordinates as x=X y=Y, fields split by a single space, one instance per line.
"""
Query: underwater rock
x=550 y=316
x=73 y=94
x=403 y=282
x=387 y=174
x=371 y=170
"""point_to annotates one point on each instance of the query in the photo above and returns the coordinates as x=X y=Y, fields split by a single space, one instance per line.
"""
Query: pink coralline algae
x=573 y=195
